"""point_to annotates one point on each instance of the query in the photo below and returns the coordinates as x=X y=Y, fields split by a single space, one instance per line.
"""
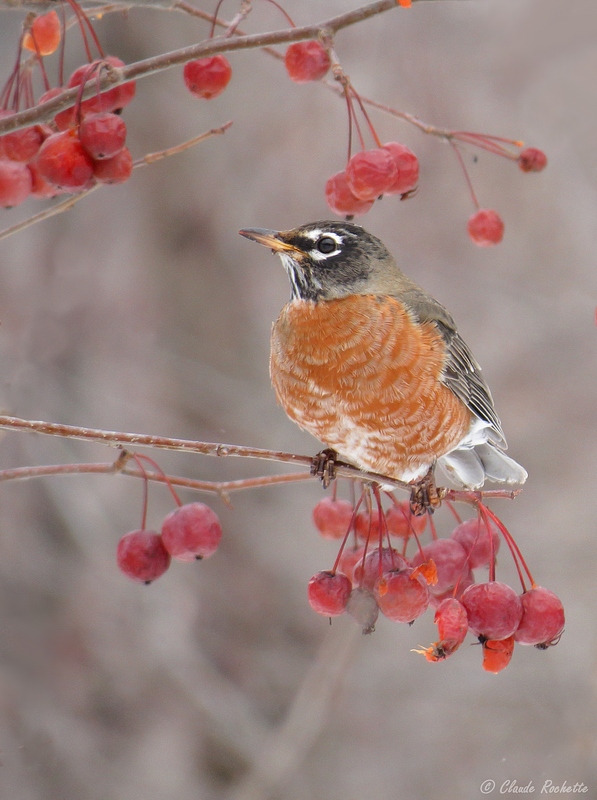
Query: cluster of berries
x=367 y=580
x=387 y=170
x=190 y=532
x=80 y=147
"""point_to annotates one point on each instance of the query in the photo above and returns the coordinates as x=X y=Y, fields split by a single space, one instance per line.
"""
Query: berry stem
x=154 y=464
x=145 y=491
x=514 y=549
x=287 y=16
x=376 y=138
x=466 y=175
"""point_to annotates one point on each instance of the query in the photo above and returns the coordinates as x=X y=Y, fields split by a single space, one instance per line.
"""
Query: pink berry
x=332 y=517
x=341 y=200
x=371 y=173
x=103 y=135
x=486 y=227
x=542 y=617
x=375 y=566
x=401 y=597
x=494 y=609
x=306 y=61
x=22 y=145
x=450 y=561
x=141 y=555
x=191 y=532
x=328 y=593
x=40 y=188
x=532 y=160
x=207 y=77
x=407 y=166
x=110 y=99
x=402 y=522
x=351 y=556
x=15 y=183
x=473 y=536
x=63 y=162
x=114 y=170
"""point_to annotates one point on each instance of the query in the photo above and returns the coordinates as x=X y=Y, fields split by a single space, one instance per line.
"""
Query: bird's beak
x=271 y=239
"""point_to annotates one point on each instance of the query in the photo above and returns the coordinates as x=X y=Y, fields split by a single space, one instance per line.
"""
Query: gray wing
x=462 y=374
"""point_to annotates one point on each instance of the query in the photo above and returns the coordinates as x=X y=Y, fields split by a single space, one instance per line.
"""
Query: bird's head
x=329 y=260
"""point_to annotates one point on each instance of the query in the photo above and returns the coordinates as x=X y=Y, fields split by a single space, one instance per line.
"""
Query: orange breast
x=359 y=375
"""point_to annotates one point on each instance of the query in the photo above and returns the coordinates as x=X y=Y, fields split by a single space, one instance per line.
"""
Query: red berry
x=207 y=77
x=114 y=170
x=103 y=135
x=63 y=162
x=142 y=556
x=450 y=561
x=368 y=572
x=40 y=188
x=473 y=536
x=371 y=173
x=367 y=526
x=328 y=593
x=110 y=99
x=485 y=227
x=15 y=183
x=532 y=160
x=452 y=625
x=542 y=617
x=45 y=30
x=341 y=200
x=494 y=609
x=191 y=532
x=22 y=145
x=401 y=597
x=407 y=166
x=332 y=517
x=497 y=654
x=306 y=61
x=402 y=522
x=349 y=559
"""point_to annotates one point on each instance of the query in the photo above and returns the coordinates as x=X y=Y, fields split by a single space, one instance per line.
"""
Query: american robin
x=373 y=366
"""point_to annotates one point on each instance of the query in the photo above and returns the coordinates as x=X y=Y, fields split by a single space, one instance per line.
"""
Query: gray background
x=143 y=310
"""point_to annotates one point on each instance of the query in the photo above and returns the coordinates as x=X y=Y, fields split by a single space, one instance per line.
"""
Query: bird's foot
x=425 y=495
x=324 y=466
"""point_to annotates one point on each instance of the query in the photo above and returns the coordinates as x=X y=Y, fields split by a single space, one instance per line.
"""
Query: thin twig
x=159 y=63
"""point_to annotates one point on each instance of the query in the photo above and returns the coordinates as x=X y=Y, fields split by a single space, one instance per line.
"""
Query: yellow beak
x=269 y=239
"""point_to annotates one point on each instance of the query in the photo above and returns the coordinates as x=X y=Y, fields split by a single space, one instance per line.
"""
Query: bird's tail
x=471 y=467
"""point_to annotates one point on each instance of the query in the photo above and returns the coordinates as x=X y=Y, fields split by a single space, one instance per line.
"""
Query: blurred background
x=143 y=310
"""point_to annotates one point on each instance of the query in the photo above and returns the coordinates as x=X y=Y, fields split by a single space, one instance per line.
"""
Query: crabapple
x=306 y=61
x=332 y=517
x=486 y=227
x=542 y=617
x=328 y=593
x=141 y=555
x=192 y=531
x=494 y=609
x=207 y=77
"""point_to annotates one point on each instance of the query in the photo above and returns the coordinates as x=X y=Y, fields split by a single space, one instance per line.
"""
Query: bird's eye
x=326 y=245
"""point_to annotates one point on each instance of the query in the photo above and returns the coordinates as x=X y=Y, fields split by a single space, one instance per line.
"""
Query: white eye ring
x=327 y=245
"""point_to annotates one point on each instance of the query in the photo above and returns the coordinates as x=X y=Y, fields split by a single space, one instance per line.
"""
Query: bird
x=374 y=367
